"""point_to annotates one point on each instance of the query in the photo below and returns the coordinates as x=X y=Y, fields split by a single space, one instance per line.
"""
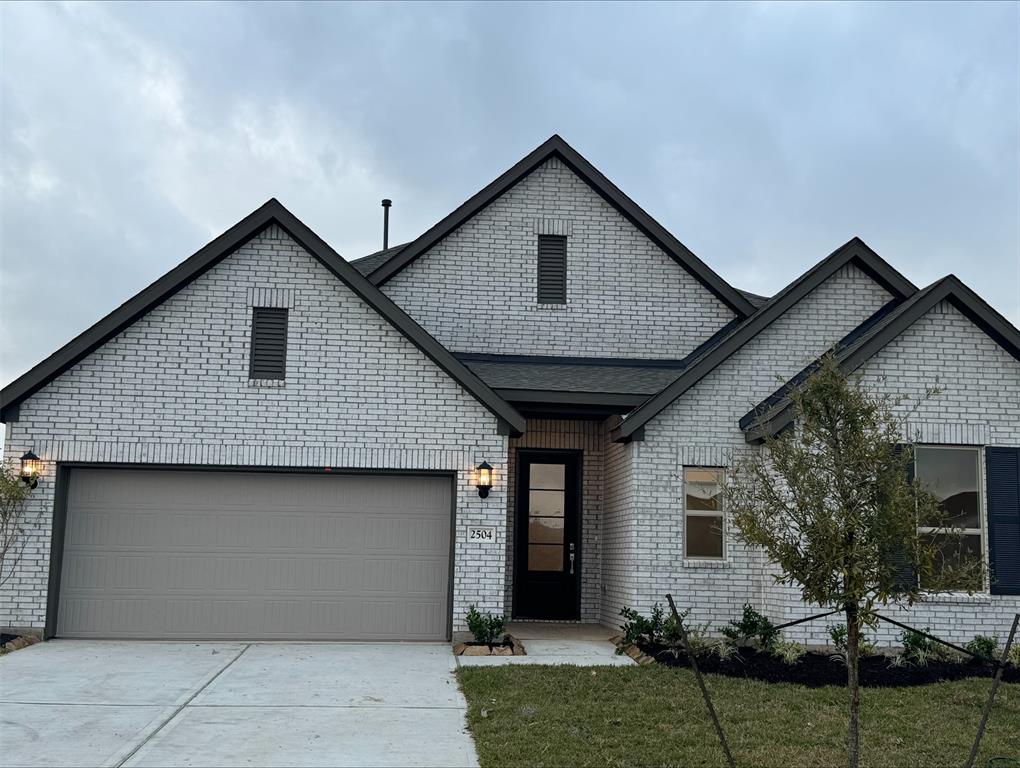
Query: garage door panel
x=208 y=554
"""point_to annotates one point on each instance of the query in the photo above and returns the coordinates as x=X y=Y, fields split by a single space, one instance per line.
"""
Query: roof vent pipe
x=386 y=223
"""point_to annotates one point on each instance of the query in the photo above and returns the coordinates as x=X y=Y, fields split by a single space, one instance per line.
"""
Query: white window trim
x=704 y=513
x=982 y=519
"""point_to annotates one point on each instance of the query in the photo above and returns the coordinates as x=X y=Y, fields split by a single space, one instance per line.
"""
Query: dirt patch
x=815 y=670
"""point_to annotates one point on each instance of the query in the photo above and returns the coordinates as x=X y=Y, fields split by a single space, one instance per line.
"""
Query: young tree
x=833 y=503
x=13 y=493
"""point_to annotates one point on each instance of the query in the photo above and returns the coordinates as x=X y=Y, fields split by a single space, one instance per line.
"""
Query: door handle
x=571 y=563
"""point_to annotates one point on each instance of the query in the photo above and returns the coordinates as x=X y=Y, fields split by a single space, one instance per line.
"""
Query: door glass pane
x=551 y=477
x=545 y=530
x=952 y=475
x=704 y=536
x=545 y=557
x=545 y=503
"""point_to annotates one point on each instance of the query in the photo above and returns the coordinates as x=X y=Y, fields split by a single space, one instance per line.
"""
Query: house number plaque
x=481 y=535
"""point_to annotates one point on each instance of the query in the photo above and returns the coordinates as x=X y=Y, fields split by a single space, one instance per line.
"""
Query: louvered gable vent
x=268 y=343
x=552 y=269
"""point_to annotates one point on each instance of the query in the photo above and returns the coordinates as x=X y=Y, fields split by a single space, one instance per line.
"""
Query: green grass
x=630 y=716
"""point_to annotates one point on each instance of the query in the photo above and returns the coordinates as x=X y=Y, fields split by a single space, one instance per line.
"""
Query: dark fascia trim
x=855 y=251
x=949 y=288
x=204 y=259
x=556 y=146
x=594 y=362
x=559 y=397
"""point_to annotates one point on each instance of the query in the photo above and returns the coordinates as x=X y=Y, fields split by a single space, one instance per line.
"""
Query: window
x=552 y=269
x=268 y=358
x=953 y=475
x=703 y=513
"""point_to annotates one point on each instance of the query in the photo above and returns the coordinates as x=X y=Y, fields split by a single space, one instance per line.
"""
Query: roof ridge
x=854 y=250
x=271 y=212
x=555 y=146
x=879 y=332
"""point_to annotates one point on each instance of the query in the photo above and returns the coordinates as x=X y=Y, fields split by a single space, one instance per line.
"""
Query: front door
x=547 y=545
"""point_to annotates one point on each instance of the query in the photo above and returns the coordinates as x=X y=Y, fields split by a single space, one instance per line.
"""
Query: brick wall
x=476 y=290
x=701 y=429
x=173 y=388
x=979 y=404
x=620 y=561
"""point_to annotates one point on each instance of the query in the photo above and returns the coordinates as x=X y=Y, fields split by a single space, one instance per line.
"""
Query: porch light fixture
x=484 y=479
x=30 y=465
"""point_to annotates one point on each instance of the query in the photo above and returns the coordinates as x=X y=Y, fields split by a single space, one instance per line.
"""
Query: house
x=272 y=442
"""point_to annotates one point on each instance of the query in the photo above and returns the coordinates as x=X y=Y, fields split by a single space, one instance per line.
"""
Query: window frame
x=981 y=530
x=721 y=514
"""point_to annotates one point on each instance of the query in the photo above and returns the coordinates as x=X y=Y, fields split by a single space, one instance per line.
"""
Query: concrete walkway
x=584 y=645
x=113 y=703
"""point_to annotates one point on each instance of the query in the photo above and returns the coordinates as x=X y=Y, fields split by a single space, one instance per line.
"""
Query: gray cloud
x=763 y=136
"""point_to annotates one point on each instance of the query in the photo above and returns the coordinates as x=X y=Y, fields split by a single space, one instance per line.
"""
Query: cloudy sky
x=762 y=135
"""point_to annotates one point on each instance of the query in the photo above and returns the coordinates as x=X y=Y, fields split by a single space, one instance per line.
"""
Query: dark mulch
x=815 y=670
x=4 y=639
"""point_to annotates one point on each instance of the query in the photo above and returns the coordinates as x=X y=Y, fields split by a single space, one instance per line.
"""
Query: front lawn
x=626 y=716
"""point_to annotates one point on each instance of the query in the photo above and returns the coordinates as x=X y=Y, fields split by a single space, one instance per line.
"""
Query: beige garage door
x=176 y=554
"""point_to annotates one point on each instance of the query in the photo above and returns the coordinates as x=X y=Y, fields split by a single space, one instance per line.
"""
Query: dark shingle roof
x=603 y=375
x=756 y=301
x=574 y=375
x=368 y=263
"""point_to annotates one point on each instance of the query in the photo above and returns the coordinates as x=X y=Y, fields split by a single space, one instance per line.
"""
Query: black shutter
x=1002 y=466
x=268 y=343
x=552 y=269
x=904 y=578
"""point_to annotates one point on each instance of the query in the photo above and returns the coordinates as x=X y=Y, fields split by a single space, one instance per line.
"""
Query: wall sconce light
x=30 y=466
x=484 y=479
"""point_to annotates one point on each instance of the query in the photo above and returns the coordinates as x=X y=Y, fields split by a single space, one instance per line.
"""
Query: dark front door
x=547 y=547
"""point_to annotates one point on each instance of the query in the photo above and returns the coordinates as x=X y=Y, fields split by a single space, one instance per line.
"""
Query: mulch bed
x=4 y=639
x=815 y=670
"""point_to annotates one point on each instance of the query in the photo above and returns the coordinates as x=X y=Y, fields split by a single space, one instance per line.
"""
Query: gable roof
x=272 y=212
x=557 y=147
x=855 y=251
x=776 y=411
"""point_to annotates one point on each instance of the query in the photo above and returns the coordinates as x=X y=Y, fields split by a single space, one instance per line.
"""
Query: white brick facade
x=475 y=290
x=980 y=404
x=701 y=428
x=173 y=389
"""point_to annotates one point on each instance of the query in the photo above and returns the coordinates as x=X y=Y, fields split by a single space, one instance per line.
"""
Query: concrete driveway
x=113 y=703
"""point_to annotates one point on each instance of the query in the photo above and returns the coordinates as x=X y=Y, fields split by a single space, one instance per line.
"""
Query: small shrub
x=752 y=628
x=1014 y=655
x=636 y=626
x=984 y=646
x=787 y=651
x=920 y=650
x=656 y=628
x=840 y=637
x=485 y=627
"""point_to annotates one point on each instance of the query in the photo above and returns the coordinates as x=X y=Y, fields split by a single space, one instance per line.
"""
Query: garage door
x=175 y=554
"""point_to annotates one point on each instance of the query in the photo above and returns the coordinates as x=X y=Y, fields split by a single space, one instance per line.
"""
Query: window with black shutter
x=1002 y=468
x=552 y=269
x=268 y=343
